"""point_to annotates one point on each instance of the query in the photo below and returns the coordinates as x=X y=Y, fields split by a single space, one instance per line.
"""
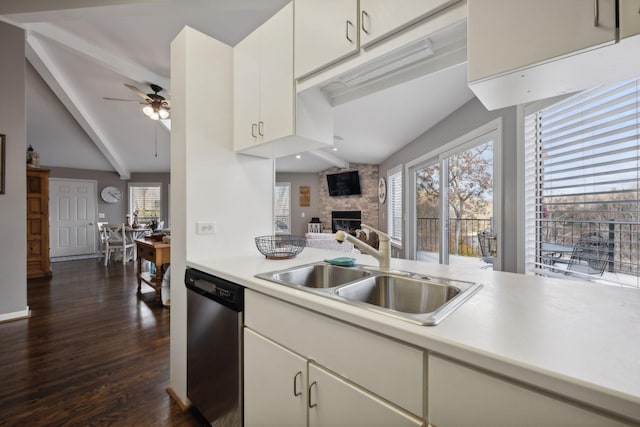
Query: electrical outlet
x=205 y=227
x=302 y=214
x=100 y=215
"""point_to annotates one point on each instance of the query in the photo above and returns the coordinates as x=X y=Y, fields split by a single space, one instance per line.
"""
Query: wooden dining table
x=156 y=252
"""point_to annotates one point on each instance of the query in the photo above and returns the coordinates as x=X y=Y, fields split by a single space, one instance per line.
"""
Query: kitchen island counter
x=575 y=339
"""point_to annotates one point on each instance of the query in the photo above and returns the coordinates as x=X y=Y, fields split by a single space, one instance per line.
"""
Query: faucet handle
x=381 y=235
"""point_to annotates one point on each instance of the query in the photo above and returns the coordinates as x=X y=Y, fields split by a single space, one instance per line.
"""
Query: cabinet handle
x=261 y=128
x=365 y=17
x=596 y=13
x=295 y=384
x=349 y=24
x=309 y=397
x=254 y=128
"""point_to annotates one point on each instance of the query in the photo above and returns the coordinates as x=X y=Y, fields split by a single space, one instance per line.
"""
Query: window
x=582 y=160
x=394 y=205
x=282 y=207
x=145 y=198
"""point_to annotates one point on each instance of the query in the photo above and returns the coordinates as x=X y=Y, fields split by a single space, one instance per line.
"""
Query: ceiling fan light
x=155 y=116
x=164 y=114
x=148 y=110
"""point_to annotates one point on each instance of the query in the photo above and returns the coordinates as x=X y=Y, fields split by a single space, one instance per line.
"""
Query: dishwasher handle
x=215 y=288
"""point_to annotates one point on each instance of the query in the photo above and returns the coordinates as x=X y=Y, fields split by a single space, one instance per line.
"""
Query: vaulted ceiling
x=81 y=51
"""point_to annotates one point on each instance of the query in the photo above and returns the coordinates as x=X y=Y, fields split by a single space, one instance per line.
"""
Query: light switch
x=100 y=215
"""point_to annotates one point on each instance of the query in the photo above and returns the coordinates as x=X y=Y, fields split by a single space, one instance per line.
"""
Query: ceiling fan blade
x=127 y=100
x=137 y=91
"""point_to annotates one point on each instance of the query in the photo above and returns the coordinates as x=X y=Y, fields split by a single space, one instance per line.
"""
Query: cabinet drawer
x=146 y=253
x=390 y=369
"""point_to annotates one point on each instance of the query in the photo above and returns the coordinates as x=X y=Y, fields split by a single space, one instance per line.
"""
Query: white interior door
x=72 y=216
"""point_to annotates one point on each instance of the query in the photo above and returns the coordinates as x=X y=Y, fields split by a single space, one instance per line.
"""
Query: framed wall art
x=3 y=156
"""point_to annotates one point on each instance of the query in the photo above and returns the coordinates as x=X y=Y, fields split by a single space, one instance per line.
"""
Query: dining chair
x=119 y=242
x=103 y=237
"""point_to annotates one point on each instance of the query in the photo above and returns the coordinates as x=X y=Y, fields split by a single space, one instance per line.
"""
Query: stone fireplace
x=349 y=221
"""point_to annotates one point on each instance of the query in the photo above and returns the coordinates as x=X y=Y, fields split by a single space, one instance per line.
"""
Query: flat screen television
x=343 y=184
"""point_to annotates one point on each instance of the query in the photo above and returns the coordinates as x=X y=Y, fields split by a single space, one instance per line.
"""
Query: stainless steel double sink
x=403 y=295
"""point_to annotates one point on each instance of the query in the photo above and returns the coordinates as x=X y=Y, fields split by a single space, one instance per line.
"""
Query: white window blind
x=282 y=207
x=582 y=158
x=394 y=204
x=145 y=198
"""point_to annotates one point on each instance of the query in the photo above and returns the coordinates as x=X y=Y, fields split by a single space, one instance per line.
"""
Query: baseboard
x=183 y=406
x=16 y=315
x=73 y=257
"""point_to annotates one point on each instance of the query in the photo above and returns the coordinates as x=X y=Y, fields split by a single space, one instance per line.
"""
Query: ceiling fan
x=156 y=106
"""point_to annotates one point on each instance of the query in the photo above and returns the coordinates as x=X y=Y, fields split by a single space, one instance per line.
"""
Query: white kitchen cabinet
x=461 y=396
x=275 y=384
x=629 y=12
x=335 y=402
x=381 y=18
x=264 y=96
x=325 y=32
x=506 y=35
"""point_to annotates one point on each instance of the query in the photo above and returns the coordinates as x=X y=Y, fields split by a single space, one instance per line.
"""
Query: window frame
x=392 y=175
x=130 y=210
x=275 y=207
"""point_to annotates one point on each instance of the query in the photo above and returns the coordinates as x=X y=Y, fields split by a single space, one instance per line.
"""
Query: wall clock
x=382 y=190
x=111 y=194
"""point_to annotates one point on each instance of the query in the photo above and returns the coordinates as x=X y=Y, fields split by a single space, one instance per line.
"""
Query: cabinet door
x=325 y=32
x=490 y=401
x=335 y=402
x=380 y=18
x=246 y=69
x=274 y=384
x=629 y=18
x=506 y=35
x=277 y=95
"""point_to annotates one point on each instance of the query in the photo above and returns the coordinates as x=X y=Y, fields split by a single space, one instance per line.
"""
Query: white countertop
x=576 y=339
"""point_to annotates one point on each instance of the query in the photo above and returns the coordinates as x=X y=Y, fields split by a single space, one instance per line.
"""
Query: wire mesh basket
x=280 y=246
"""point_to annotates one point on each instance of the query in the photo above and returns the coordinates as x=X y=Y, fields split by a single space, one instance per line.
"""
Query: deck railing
x=463 y=235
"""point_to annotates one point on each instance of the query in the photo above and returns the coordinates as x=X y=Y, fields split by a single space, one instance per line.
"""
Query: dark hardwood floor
x=93 y=353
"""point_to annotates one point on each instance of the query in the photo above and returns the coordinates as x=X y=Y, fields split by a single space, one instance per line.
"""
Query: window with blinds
x=282 y=207
x=145 y=199
x=394 y=204
x=582 y=159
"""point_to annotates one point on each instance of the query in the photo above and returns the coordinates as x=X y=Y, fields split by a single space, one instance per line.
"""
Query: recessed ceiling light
x=334 y=149
x=298 y=156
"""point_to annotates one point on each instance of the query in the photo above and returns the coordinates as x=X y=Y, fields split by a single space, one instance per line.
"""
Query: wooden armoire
x=38 y=223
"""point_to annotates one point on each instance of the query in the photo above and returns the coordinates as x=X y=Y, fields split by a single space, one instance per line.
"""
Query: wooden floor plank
x=93 y=353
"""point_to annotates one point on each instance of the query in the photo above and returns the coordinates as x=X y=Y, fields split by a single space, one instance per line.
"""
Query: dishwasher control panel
x=216 y=288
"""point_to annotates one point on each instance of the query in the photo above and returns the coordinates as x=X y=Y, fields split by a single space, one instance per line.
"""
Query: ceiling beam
x=99 y=56
x=49 y=71
x=28 y=6
x=331 y=158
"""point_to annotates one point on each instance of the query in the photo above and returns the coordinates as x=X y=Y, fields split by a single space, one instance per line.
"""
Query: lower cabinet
x=461 y=396
x=275 y=379
x=282 y=388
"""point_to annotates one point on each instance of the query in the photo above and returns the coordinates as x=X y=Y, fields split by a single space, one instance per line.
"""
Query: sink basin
x=423 y=301
x=408 y=296
x=400 y=294
x=317 y=276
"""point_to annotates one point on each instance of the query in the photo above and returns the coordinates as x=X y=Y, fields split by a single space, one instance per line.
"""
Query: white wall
x=13 y=261
x=209 y=182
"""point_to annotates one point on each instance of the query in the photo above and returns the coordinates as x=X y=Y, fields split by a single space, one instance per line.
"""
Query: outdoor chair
x=486 y=240
x=591 y=254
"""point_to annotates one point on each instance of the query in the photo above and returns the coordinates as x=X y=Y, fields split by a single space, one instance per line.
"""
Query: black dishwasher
x=214 y=347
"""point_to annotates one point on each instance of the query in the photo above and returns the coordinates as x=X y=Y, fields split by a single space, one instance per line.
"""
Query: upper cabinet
x=520 y=51
x=382 y=18
x=328 y=31
x=629 y=11
x=269 y=120
x=263 y=83
x=325 y=32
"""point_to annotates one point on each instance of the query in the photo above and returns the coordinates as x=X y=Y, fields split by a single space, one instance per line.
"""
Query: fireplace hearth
x=348 y=221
